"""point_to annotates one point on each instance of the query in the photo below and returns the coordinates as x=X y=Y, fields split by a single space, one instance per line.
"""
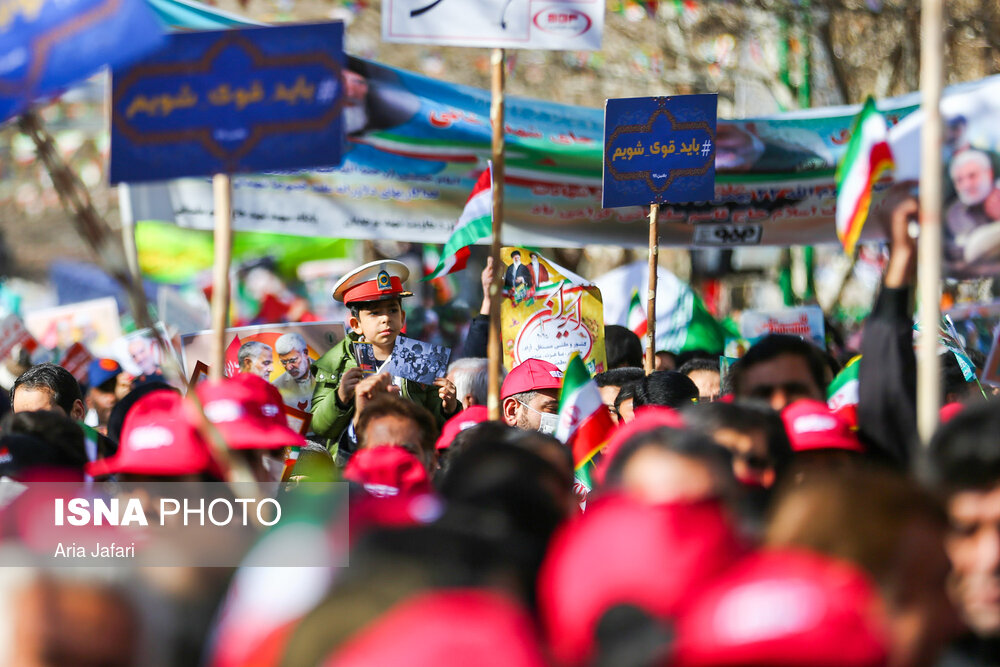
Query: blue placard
x=659 y=149
x=258 y=99
x=49 y=45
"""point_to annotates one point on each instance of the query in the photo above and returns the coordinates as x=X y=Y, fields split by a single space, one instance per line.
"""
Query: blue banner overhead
x=257 y=99
x=48 y=45
x=659 y=150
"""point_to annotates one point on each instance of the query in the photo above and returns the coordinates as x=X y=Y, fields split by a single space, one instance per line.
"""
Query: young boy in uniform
x=374 y=294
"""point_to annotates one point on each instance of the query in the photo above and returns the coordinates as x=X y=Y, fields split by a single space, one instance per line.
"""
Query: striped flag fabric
x=584 y=421
x=474 y=225
x=636 y=320
x=842 y=395
x=682 y=319
x=868 y=157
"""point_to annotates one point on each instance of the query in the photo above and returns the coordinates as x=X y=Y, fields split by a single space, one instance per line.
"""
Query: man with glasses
x=296 y=384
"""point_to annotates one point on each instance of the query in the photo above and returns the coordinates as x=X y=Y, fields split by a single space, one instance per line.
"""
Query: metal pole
x=495 y=350
x=654 y=252
x=929 y=246
x=222 y=189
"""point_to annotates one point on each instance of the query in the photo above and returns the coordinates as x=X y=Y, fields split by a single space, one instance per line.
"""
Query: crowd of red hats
x=505 y=551
x=756 y=528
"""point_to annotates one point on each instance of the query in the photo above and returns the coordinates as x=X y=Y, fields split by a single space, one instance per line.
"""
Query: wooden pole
x=95 y=231
x=846 y=278
x=495 y=351
x=654 y=253
x=222 y=189
x=929 y=246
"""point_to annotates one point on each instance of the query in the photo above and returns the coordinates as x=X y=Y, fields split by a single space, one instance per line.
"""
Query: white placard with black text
x=575 y=25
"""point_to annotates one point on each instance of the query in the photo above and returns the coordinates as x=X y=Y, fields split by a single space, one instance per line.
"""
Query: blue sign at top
x=258 y=99
x=659 y=149
x=47 y=46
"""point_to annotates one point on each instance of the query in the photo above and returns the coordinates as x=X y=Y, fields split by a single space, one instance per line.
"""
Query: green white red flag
x=585 y=425
x=636 y=320
x=842 y=394
x=868 y=157
x=474 y=225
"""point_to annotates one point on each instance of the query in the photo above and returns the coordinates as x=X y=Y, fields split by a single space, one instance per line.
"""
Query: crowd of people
x=730 y=518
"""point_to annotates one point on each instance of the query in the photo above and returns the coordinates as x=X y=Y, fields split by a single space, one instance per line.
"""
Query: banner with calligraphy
x=571 y=25
x=48 y=45
x=659 y=149
x=805 y=321
x=231 y=101
x=549 y=312
x=416 y=145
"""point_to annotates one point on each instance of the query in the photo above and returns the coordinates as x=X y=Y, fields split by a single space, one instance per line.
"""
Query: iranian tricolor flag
x=842 y=395
x=868 y=157
x=584 y=421
x=475 y=224
x=636 y=321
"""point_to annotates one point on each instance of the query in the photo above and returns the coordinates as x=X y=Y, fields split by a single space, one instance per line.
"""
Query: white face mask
x=547 y=422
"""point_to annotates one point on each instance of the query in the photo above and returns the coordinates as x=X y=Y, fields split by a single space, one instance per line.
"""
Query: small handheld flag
x=474 y=225
x=868 y=157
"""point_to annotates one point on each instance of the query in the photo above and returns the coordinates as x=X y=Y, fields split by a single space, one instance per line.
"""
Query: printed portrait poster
x=94 y=323
x=139 y=354
x=549 y=312
x=289 y=371
x=971 y=179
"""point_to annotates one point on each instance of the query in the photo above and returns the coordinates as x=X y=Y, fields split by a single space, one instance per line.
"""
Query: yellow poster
x=549 y=312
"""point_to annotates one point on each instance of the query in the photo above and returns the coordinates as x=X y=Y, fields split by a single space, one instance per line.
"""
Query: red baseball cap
x=248 y=412
x=811 y=426
x=622 y=551
x=158 y=439
x=785 y=607
x=452 y=628
x=647 y=418
x=949 y=411
x=467 y=418
x=388 y=471
x=531 y=375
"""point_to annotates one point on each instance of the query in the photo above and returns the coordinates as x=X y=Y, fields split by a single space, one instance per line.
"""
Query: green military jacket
x=331 y=417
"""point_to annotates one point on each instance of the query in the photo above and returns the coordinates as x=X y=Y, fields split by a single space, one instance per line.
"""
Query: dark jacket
x=887 y=380
x=478 y=337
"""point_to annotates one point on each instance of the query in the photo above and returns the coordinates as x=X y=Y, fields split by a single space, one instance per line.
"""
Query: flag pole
x=929 y=245
x=654 y=251
x=223 y=191
x=495 y=351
